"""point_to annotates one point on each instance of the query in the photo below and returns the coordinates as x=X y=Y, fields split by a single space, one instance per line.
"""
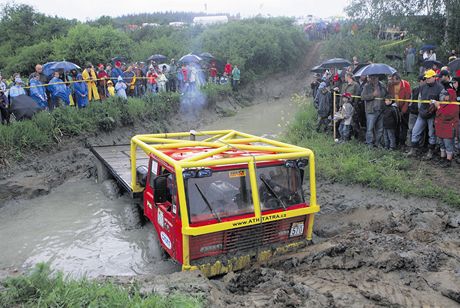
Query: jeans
x=344 y=131
x=412 y=120
x=389 y=135
x=447 y=144
x=235 y=84
x=152 y=87
x=419 y=129
x=374 y=123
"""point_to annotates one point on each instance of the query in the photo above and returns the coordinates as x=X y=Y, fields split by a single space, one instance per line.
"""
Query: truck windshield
x=228 y=193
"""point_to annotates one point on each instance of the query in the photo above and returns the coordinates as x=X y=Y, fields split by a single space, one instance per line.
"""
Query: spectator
x=41 y=77
x=235 y=77
x=185 y=78
x=352 y=87
x=89 y=75
x=139 y=87
x=345 y=116
x=228 y=69
x=413 y=107
x=162 y=80
x=400 y=89
x=120 y=87
x=17 y=88
x=446 y=124
x=323 y=103
x=152 y=80
x=116 y=72
x=213 y=73
x=410 y=59
x=391 y=119
x=103 y=76
x=444 y=79
x=37 y=91
x=426 y=113
x=4 y=108
x=110 y=88
x=191 y=77
x=59 y=92
x=172 y=77
x=373 y=93
x=2 y=85
x=129 y=78
x=81 y=92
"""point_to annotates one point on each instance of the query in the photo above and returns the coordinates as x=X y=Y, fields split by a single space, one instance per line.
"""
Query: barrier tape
x=407 y=100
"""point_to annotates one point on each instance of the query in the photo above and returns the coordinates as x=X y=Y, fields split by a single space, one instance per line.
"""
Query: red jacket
x=404 y=93
x=228 y=69
x=446 y=121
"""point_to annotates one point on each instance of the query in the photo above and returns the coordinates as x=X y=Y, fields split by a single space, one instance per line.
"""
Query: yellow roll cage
x=221 y=141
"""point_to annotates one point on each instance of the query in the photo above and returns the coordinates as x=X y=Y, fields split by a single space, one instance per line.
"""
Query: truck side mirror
x=141 y=174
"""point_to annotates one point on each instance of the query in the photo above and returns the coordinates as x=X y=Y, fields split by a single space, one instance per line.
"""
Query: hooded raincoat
x=59 y=90
x=38 y=93
x=81 y=92
x=90 y=78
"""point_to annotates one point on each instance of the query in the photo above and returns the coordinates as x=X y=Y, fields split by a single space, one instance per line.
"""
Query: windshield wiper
x=207 y=203
x=270 y=189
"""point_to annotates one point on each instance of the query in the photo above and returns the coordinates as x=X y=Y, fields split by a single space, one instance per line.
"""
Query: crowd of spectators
x=79 y=88
x=422 y=119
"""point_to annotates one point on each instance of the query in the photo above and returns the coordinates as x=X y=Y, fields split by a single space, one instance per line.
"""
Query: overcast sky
x=92 y=9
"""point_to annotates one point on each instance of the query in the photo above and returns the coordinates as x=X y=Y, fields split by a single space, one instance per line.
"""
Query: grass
x=354 y=163
x=44 y=288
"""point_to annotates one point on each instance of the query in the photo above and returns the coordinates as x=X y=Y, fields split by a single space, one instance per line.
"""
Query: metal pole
x=333 y=113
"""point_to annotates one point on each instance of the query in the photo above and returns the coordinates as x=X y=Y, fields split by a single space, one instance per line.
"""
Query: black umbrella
x=157 y=58
x=23 y=107
x=454 y=66
x=430 y=63
x=336 y=62
x=359 y=66
x=375 y=69
x=119 y=58
x=393 y=57
x=317 y=69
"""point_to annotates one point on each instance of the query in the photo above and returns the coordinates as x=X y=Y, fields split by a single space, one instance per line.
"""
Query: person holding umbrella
x=89 y=75
x=373 y=96
x=81 y=92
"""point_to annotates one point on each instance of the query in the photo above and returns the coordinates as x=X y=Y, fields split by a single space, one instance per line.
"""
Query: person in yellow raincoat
x=89 y=75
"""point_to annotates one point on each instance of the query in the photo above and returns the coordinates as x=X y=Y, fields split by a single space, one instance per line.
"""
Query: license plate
x=296 y=229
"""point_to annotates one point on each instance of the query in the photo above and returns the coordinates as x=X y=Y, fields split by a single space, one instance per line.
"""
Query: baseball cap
x=444 y=73
x=430 y=74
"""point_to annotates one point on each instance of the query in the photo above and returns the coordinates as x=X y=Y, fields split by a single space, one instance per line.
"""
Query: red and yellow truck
x=219 y=200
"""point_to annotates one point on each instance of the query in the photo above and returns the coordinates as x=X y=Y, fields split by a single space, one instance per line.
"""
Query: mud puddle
x=80 y=231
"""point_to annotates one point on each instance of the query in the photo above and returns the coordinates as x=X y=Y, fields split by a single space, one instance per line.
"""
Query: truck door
x=149 y=203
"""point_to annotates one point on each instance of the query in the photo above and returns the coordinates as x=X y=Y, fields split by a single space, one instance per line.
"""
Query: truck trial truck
x=219 y=200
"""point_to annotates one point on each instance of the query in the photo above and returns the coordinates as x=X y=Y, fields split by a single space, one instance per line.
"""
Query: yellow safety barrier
x=407 y=100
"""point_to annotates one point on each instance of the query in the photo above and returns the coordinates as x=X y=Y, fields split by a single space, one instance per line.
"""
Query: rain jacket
x=429 y=92
x=120 y=87
x=236 y=74
x=59 y=90
x=90 y=78
x=401 y=91
x=81 y=92
x=16 y=91
x=391 y=116
x=38 y=93
x=345 y=113
x=372 y=103
x=116 y=72
x=446 y=121
x=323 y=102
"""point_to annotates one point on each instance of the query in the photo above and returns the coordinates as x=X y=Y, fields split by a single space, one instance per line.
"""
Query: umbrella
x=317 y=69
x=119 y=58
x=393 y=57
x=46 y=68
x=336 y=62
x=454 y=65
x=23 y=107
x=206 y=56
x=64 y=65
x=164 y=64
x=157 y=58
x=375 y=69
x=428 y=47
x=190 y=59
x=430 y=63
x=359 y=66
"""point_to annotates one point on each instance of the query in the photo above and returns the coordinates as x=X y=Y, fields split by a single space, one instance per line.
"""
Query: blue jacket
x=59 y=90
x=81 y=93
x=38 y=93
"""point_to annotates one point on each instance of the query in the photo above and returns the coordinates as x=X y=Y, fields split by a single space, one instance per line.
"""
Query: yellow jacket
x=86 y=76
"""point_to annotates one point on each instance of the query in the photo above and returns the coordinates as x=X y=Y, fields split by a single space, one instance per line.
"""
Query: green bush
x=44 y=288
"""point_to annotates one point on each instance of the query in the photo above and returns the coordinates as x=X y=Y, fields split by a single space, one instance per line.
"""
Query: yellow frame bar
x=219 y=142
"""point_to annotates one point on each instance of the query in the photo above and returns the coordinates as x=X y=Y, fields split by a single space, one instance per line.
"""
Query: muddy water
x=80 y=231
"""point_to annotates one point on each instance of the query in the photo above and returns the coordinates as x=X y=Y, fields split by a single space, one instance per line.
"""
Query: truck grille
x=245 y=238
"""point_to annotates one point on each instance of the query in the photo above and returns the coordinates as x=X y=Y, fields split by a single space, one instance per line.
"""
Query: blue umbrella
x=428 y=47
x=47 y=68
x=317 y=69
x=430 y=63
x=375 y=69
x=190 y=59
x=65 y=66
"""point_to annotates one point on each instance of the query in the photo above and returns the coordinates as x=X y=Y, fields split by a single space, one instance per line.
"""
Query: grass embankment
x=46 y=130
x=45 y=288
x=355 y=163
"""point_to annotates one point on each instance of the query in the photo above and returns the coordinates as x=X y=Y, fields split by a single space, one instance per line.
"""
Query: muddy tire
x=111 y=189
x=102 y=172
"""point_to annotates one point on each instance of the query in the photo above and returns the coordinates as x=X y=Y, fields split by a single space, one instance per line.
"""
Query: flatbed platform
x=117 y=160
